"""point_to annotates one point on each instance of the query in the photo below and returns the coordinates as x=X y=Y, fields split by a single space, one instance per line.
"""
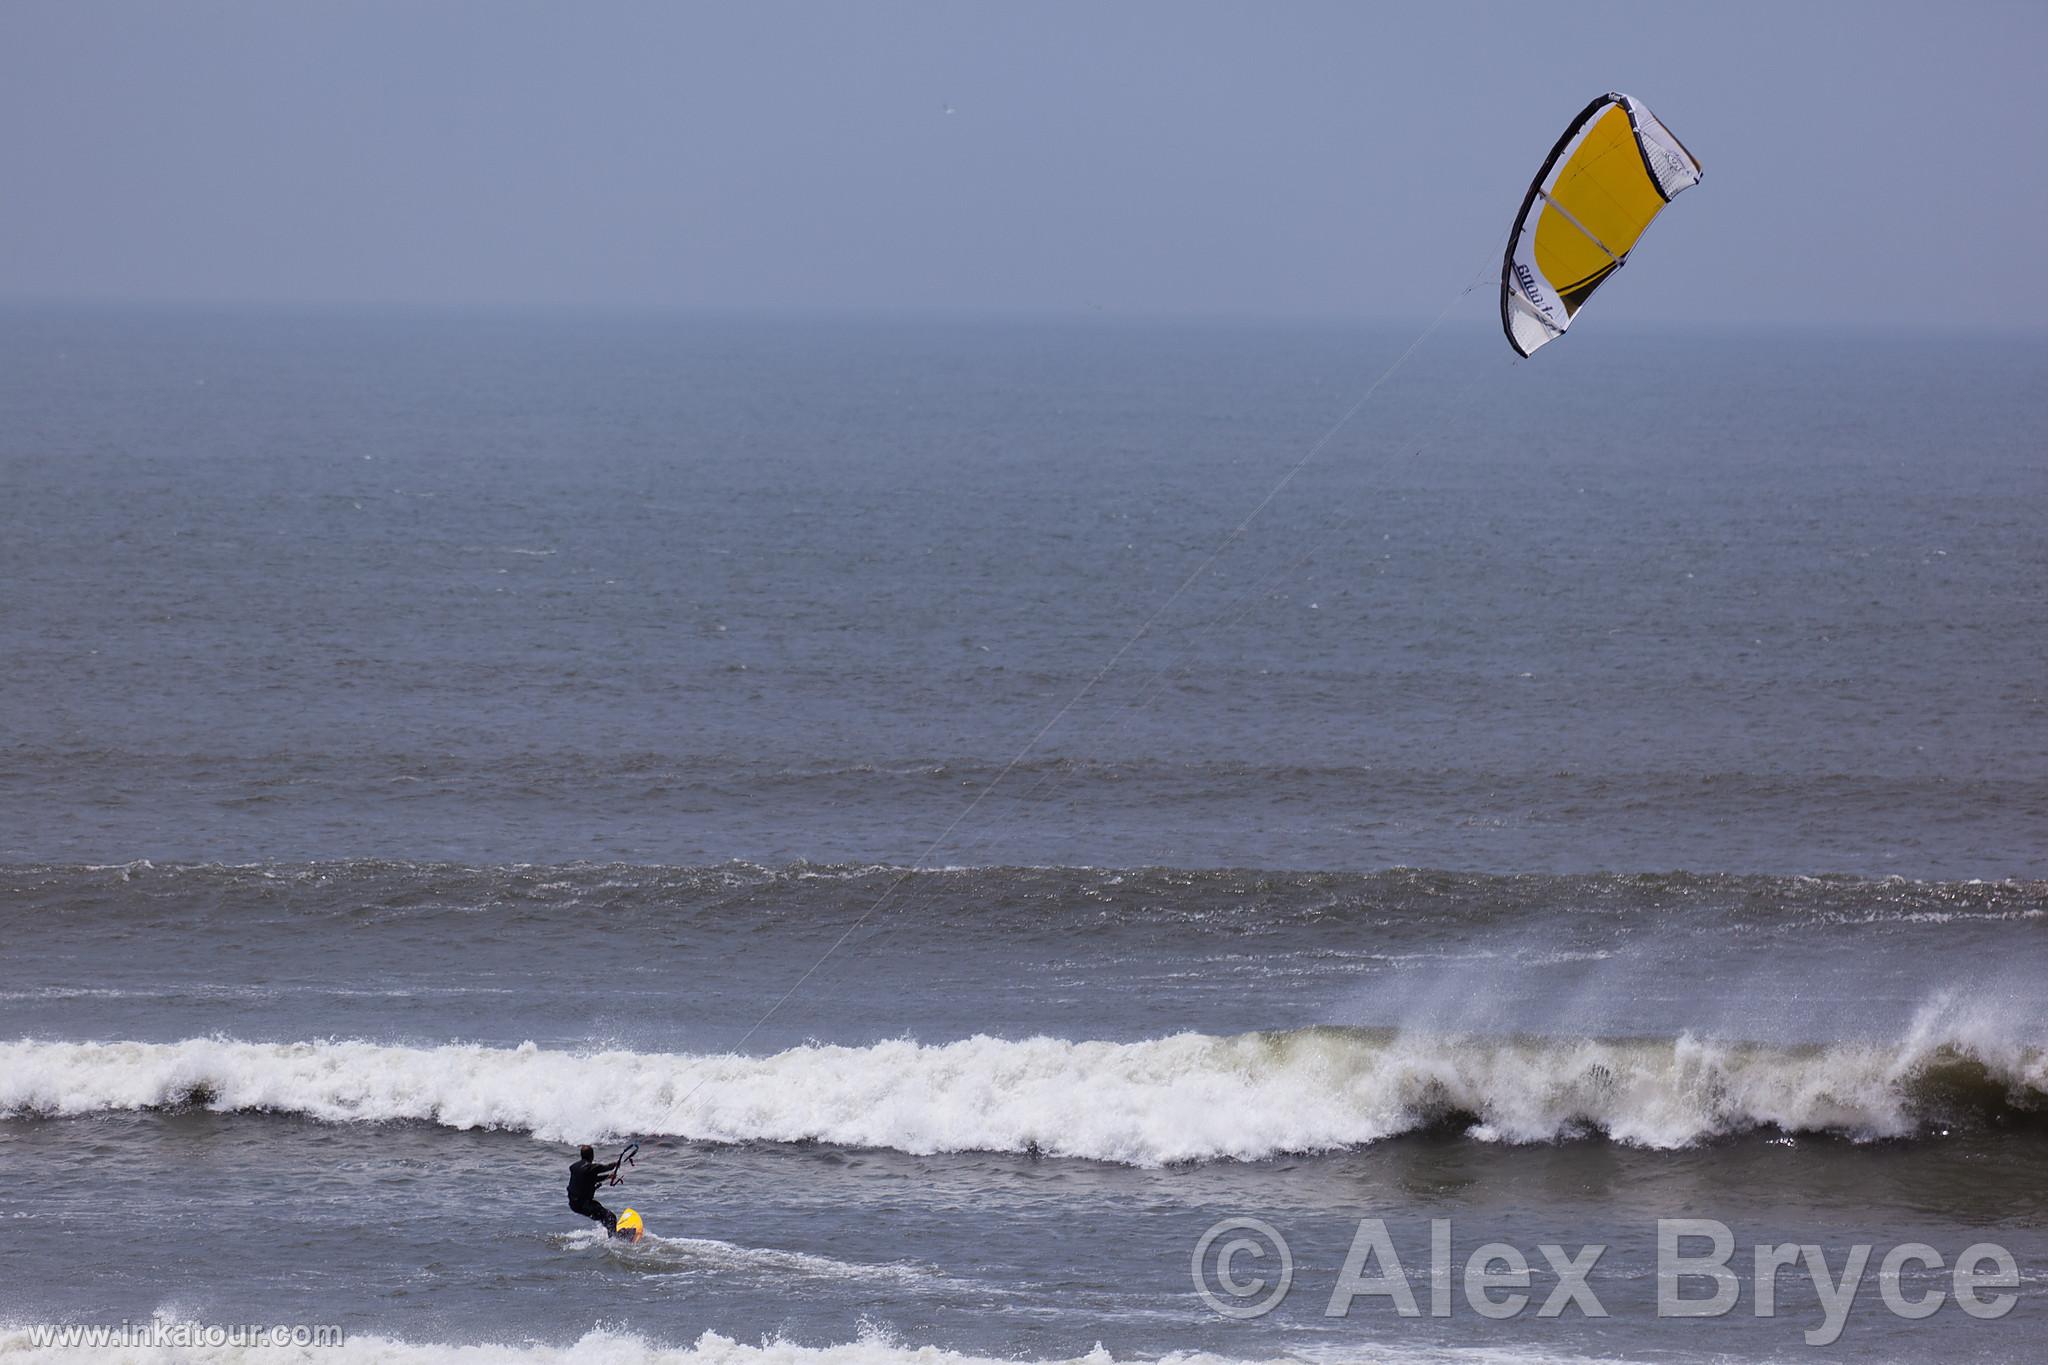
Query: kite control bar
x=625 y=1159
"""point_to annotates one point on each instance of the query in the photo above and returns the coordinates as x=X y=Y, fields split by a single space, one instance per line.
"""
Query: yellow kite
x=1611 y=173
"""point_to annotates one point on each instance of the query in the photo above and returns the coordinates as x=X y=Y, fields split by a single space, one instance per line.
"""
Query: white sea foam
x=1186 y=1097
x=18 y=1346
x=727 y=1260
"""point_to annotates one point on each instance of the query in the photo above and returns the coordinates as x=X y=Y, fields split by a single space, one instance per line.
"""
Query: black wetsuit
x=584 y=1178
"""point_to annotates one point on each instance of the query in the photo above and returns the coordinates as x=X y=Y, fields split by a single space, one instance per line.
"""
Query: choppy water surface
x=1593 y=792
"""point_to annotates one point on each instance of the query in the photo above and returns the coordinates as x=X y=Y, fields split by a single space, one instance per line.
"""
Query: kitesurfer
x=585 y=1175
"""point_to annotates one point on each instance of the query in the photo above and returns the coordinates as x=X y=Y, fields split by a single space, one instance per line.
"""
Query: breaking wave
x=31 y=1345
x=1189 y=1097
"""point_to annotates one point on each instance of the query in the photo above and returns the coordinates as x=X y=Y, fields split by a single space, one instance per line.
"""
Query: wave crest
x=1189 y=1097
x=613 y=1347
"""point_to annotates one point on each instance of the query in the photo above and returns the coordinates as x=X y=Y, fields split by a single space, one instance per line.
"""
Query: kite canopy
x=1611 y=173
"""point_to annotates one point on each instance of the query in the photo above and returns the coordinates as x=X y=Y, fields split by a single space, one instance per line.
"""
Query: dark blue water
x=1591 y=790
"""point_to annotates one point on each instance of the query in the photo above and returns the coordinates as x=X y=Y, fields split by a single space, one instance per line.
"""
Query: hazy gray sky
x=1864 y=162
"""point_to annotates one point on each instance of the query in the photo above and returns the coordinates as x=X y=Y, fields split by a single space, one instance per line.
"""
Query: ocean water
x=910 y=777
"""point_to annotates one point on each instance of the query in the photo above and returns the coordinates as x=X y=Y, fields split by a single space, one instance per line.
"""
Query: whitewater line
x=1186 y=1097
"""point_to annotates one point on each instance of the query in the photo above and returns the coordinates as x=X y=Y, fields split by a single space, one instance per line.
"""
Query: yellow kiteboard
x=630 y=1228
